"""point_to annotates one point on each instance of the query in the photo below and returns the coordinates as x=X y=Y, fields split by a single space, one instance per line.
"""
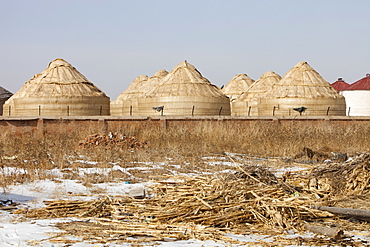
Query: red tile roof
x=340 y=85
x=362 y=84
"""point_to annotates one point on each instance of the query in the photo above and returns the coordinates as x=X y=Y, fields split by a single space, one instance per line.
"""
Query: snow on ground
x=18 y=231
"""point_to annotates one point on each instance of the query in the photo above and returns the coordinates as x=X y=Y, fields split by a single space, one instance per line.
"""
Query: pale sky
x=113 y=41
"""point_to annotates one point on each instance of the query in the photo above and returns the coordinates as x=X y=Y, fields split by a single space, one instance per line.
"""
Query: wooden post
x=192 y=111
x=273 y=111
x=327 y=111
x=219 y=113
x=67 y=110
x=249 y=110
x=9 y=109
x=39 y=110
x=130 y=110
x=349 y=109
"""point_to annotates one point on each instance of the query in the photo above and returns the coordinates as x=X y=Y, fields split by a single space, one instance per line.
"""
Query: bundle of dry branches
x=111 y=139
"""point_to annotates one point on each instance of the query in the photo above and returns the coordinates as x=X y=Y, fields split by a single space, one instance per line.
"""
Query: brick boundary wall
x=50 y=125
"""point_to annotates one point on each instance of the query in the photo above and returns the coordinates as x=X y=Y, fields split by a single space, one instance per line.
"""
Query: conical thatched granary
x=237 y=85
x=4 y=96
x=126 y=102
x=60 y=90
x=247 y=103
x=302 y=91
x=155 y=79
x=184 y=91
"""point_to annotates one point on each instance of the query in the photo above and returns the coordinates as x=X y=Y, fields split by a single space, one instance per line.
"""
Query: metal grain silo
x=357 y=97
x=340 y=85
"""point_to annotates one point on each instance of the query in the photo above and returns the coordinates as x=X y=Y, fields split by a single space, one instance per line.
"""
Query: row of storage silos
x=61 y=90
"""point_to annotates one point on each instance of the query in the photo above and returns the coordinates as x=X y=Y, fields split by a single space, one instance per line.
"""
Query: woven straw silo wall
x=302 y=86
x=57 y=106
x=315 y=107
x=246 y=104
x=185 y=106
x=126 y=102
x=184 y=92
x=60 y=90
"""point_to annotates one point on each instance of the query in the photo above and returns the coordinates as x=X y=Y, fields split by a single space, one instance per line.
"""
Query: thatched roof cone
x=127 y=100
x=126 y=103
x=246 y=103
x=302 y=81
x=184 y=91
x=135 y=89
x=302 y=86
x=59 y=90
x=260 y=87
x=237 y=85
x=155 y=79
x=185 y=80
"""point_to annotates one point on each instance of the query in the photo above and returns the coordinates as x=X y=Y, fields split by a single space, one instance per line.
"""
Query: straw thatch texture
x=60 y=90
x=155 y=79
x=247 y=103
x=4 y=96
x=302 y=86
x=237 y=85
x=184 y=91
x=126 y=103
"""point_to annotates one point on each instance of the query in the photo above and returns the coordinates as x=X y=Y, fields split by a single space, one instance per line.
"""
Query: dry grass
x=184 y=144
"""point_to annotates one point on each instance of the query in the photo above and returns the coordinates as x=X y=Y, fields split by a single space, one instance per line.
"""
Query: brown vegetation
x=185 y=145
x=274 y=203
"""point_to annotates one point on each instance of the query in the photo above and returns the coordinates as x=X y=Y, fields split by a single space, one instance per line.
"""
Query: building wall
x=358 y=102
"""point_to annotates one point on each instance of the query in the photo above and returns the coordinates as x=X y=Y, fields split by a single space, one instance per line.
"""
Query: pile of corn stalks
x=204 y=208
x=198 y=207
x=350 y=178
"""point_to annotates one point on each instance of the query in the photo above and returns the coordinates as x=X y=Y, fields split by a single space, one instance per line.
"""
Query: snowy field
x=16 y=230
